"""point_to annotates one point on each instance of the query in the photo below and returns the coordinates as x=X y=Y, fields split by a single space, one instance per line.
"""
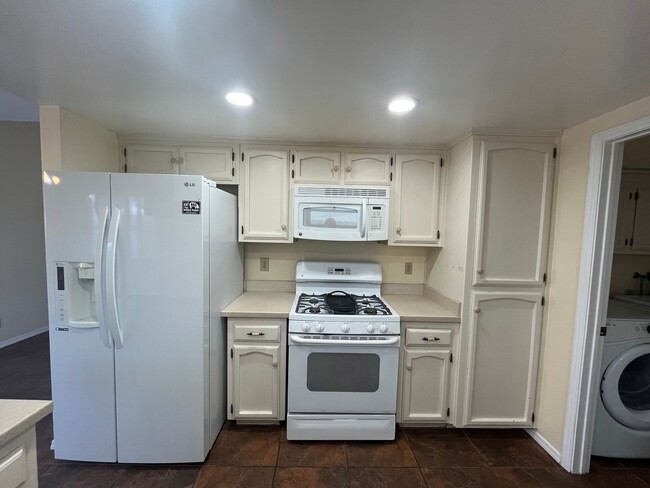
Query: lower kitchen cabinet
x=426 y=373
x=257 y=369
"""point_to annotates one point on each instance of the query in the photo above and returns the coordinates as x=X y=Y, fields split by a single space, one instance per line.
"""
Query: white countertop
x=268 y=304
x=418 y=308
x=16 y=416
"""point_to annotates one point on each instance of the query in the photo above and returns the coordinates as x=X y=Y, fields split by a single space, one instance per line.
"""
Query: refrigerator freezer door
x=161 y=265
x=83 y=387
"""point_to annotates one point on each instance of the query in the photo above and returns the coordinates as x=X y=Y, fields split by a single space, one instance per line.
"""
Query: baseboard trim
x=537 y=437
x=22 y=337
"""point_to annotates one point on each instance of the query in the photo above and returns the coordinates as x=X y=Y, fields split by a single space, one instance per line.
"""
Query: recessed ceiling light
x=240 y=99
x=402 y=104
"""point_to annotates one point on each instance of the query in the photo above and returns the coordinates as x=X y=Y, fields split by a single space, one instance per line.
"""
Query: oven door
x=330 y=219
x=342 y=374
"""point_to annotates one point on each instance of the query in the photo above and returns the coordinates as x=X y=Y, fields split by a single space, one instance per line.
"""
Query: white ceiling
x=326 y=69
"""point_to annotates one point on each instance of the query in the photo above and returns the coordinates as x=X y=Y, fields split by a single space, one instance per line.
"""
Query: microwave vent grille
x=333 y=191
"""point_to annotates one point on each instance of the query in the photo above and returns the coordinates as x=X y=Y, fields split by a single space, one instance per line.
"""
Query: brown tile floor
x=257 y=456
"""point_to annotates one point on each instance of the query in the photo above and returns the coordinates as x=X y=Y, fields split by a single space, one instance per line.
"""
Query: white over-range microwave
x=340 y=213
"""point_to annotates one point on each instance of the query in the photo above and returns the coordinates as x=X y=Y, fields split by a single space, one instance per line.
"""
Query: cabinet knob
x=172 y=160
x=477 y=310
x=180 y=161
x=480 y=271
x=335 y=169
x=409 y=367
x=274 y=364
x=398 y=230
x=283 y=227
x=348 y=169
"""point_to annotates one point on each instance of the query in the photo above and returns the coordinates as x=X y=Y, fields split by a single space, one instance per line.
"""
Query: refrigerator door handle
x=111 y=292
x=99 y=282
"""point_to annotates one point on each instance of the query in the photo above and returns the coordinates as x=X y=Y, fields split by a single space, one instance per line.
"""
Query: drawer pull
x=255 y=334
x=434 y=339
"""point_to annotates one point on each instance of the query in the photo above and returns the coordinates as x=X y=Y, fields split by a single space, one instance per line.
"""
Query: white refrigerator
x=138 y=270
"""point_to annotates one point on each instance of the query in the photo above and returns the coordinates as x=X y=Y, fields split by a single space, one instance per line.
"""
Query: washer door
x=625 y=388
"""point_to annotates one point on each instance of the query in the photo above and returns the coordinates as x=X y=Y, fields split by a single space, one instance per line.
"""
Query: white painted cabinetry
x=257 y=369
x=425 y=372
x=316 y=166
x=367 y=168
x=632 y=229
x=415 y=202
x=216 y=162
x=507 y=280
x=264 y=195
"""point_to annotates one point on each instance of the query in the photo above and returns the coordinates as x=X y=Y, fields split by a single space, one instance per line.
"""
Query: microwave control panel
x=376 y=217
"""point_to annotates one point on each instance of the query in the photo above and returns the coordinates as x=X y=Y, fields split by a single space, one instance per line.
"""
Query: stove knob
x=383 y=328
x=370 y=328
x=345 y=327
x=306 y=326
x=320 y=327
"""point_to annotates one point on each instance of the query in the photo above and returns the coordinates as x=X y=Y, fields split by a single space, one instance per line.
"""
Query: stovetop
x=341 y=303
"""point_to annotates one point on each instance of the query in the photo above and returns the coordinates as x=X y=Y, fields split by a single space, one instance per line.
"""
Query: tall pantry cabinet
x=507 y=275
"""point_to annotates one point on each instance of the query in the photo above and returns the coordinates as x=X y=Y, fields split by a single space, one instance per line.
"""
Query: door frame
x=603 y=185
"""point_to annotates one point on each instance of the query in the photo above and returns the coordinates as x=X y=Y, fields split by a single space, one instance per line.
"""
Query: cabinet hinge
x=233 y=155
x=448 y=411
x=442 y=162
x=533 y=417
x=391 y=176
x=554 y=152
x=451 y=357
x=544 y=278
x=391 y=160
x=630 y=198
x=626 y=241
x=438 y=234
x=603 y=331
x=636 y=195
x=124 y=152
x=293 y=173
x=125 y=168
x=293 y=158
x=233 y=171
x=543 y=301
x=242 y=229
x=231 y=353
x=231 y=409
x=242 y=156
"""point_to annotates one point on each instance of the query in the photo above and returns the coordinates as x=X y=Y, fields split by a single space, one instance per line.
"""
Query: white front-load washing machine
x=623 y=413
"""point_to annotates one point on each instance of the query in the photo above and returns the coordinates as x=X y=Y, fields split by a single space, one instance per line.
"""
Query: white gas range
x=343 y=354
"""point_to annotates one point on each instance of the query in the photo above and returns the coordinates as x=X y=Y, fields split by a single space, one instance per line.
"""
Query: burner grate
x=341 y=303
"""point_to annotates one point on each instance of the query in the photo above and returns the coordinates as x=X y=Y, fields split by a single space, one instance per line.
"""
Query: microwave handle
x=364 y=220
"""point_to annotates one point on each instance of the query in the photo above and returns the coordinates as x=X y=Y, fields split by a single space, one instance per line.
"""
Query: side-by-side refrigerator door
x=157 y=267
x=77 y=207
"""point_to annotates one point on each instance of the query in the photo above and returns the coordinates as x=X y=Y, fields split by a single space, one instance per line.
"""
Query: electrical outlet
x=408 y=268
x=264 y=264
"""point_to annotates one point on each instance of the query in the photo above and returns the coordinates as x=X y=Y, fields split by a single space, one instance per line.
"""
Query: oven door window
x=343 y=372
x=331 y=217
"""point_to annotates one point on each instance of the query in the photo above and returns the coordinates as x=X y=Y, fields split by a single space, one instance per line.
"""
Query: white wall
x=569 y=201
x=446 y=265
x=23 y=303
x=72 y=143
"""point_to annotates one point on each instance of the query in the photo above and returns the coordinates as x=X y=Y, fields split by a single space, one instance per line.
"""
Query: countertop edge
x=38 y=412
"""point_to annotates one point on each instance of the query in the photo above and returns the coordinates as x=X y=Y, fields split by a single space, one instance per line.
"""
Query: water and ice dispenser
x=75 y=295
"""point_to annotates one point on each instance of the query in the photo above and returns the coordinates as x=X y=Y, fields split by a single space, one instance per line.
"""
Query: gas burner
x=341 y=303
x=314 y=310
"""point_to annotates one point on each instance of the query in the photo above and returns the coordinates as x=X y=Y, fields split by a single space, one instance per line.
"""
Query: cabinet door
x=152 y=159
x=415 y=207
x=641 y=243
x=425 y=384
x=513 y=215
x=215 y=163
x=367 y=169
x=256 y=380
x=625 y=216
x=504 y=336
x=264 y=196
x=316 y=167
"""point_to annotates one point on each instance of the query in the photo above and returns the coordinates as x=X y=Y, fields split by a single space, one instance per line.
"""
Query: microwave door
x=331 y=220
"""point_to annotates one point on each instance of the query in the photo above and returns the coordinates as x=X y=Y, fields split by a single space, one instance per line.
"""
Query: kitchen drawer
x=257 y=333
x=428 y=337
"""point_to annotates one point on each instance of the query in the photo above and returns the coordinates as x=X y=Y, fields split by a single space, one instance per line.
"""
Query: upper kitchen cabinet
x=315 y=166
x=513 y=213
x=632 y=231
x=151 y=159
x=415 y=216
x=217 y=163
x=264 y=195
x=367 y=168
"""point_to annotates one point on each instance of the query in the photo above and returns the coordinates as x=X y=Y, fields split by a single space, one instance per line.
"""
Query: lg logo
x=188 y=183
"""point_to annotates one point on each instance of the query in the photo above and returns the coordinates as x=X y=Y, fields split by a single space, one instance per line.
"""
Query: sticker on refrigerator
x=191 y=207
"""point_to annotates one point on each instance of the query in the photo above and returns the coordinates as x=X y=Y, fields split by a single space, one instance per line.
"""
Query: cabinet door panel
x=316 y=167
x=641 y=242
x=367 y=169
x=256 y=377
x=504 y=339
x=216 y=163
x=416 y=206
x=514 y=213
x=625 y=216
x=425 y=384
x=264 y=196
x=152 y=159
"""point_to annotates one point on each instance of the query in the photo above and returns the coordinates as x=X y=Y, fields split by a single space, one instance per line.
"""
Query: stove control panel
x=338 y=327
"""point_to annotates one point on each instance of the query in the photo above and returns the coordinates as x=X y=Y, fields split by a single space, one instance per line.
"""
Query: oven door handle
x=338 y=342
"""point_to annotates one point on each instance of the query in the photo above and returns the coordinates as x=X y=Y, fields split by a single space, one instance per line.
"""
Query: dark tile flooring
x=258 y=456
